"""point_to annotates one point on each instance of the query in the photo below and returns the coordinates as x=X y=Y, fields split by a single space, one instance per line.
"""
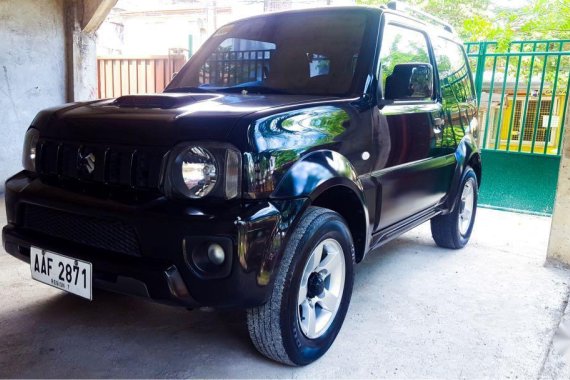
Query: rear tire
x=311 y=294
x=453 y=230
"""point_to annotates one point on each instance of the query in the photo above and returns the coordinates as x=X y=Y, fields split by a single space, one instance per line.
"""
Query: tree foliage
x=547 y=19
x=478 y=20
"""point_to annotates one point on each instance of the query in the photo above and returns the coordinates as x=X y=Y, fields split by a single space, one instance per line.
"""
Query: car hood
x=161 y=119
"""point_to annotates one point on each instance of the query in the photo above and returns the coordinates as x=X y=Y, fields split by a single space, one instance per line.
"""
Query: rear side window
x=453 y=71
x=401 y=45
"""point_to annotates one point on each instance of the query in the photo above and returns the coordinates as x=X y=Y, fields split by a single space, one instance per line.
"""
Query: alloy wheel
x=466 y=206
x=320 y=291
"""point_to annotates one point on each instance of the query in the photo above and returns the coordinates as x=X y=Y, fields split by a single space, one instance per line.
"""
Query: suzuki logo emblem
x=88 y=162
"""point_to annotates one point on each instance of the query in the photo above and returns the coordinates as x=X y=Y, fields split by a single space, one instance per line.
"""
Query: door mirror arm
x=382 y=103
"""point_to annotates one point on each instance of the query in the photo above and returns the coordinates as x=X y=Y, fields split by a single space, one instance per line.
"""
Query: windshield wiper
x=234 y=89
x=253 y=90
x=192 y=89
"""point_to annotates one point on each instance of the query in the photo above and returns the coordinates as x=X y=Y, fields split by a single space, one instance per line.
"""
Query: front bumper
x=156 y=261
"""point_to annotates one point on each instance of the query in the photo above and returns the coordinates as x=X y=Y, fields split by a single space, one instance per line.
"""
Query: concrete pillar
x=32 y=71
x=559 y=244
x=82 y=19
x=47 y=57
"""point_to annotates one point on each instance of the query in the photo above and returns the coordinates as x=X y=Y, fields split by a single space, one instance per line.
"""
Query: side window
x=399 y=46
x=453 y=71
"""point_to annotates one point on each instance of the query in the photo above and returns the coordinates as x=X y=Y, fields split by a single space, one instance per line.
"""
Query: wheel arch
x=329 y=180
x=467 y=155
x=475 y=163
x=352 y=209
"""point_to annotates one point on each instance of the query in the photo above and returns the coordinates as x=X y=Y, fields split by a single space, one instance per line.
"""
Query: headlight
x=203 y=169
x=199 y=171
x=29 y=153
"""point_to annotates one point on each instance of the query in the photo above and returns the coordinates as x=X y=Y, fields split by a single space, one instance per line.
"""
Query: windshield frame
x=361 y=72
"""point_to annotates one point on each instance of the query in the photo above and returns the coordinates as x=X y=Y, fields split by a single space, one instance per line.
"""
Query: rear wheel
x=311 y=293
x=453 y=230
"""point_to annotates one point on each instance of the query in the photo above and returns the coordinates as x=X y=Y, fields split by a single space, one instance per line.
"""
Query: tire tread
x=441 y=231
x=444 y=228
x=263 y=321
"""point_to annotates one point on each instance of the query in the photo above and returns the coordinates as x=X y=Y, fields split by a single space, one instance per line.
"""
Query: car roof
x=432 y=29
x=339 y=8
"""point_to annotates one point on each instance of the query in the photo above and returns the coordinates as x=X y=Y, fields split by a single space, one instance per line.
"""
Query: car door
x=457 y=92
x=411 y=173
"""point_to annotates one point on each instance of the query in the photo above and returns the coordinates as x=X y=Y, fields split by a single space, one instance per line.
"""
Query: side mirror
x=410 y=81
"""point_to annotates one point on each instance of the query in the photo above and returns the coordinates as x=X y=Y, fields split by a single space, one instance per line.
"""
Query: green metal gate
x=523 y=98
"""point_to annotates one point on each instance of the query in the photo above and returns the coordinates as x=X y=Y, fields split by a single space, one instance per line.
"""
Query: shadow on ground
x=489 y=310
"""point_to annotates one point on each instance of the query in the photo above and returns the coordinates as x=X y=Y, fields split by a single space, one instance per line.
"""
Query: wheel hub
x=321 y=288
x=316 y=285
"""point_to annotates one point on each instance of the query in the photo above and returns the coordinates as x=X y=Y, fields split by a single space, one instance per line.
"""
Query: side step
x=389 y=233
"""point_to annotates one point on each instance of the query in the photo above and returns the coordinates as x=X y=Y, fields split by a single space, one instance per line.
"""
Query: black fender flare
x=465 y=153
x=314 y=173
x=317 y=172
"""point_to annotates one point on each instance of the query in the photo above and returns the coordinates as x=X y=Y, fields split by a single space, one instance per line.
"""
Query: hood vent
x=159 y=101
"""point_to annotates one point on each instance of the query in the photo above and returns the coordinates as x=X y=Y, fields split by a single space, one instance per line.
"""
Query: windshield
x=315 y=52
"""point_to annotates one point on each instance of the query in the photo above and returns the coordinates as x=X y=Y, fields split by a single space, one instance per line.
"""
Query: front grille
x=113 y=166
x=110 y=235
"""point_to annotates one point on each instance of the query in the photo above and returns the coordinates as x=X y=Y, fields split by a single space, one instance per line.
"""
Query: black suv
x=286 y=149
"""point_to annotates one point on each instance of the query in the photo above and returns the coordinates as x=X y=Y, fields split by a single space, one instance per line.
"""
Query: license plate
x=62 y=272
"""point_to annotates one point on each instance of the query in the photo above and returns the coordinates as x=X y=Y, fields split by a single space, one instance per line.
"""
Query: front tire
x=311 y=293
x=453 y=230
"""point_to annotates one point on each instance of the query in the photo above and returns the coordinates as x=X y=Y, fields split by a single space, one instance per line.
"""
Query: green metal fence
x=523 y=98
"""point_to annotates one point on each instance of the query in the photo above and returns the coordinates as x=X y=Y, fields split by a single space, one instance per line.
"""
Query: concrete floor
x=418 y=311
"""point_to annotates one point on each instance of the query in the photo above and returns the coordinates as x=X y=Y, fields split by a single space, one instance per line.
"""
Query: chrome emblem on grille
x=88 y=162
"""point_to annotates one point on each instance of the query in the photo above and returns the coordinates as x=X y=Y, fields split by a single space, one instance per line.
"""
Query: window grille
x=529 y=122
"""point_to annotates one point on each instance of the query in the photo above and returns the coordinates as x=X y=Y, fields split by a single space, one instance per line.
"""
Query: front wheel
x=453 y=230
x=311 y=293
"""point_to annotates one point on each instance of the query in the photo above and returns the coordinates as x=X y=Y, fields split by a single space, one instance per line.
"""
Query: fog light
x=208 y=256
x=216 y=254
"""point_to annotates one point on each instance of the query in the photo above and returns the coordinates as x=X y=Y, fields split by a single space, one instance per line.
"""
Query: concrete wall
x=559 y=244
x=32 y=71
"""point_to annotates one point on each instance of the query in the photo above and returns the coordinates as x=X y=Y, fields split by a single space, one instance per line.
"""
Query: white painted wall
x=139 y=28
x=32 y=71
